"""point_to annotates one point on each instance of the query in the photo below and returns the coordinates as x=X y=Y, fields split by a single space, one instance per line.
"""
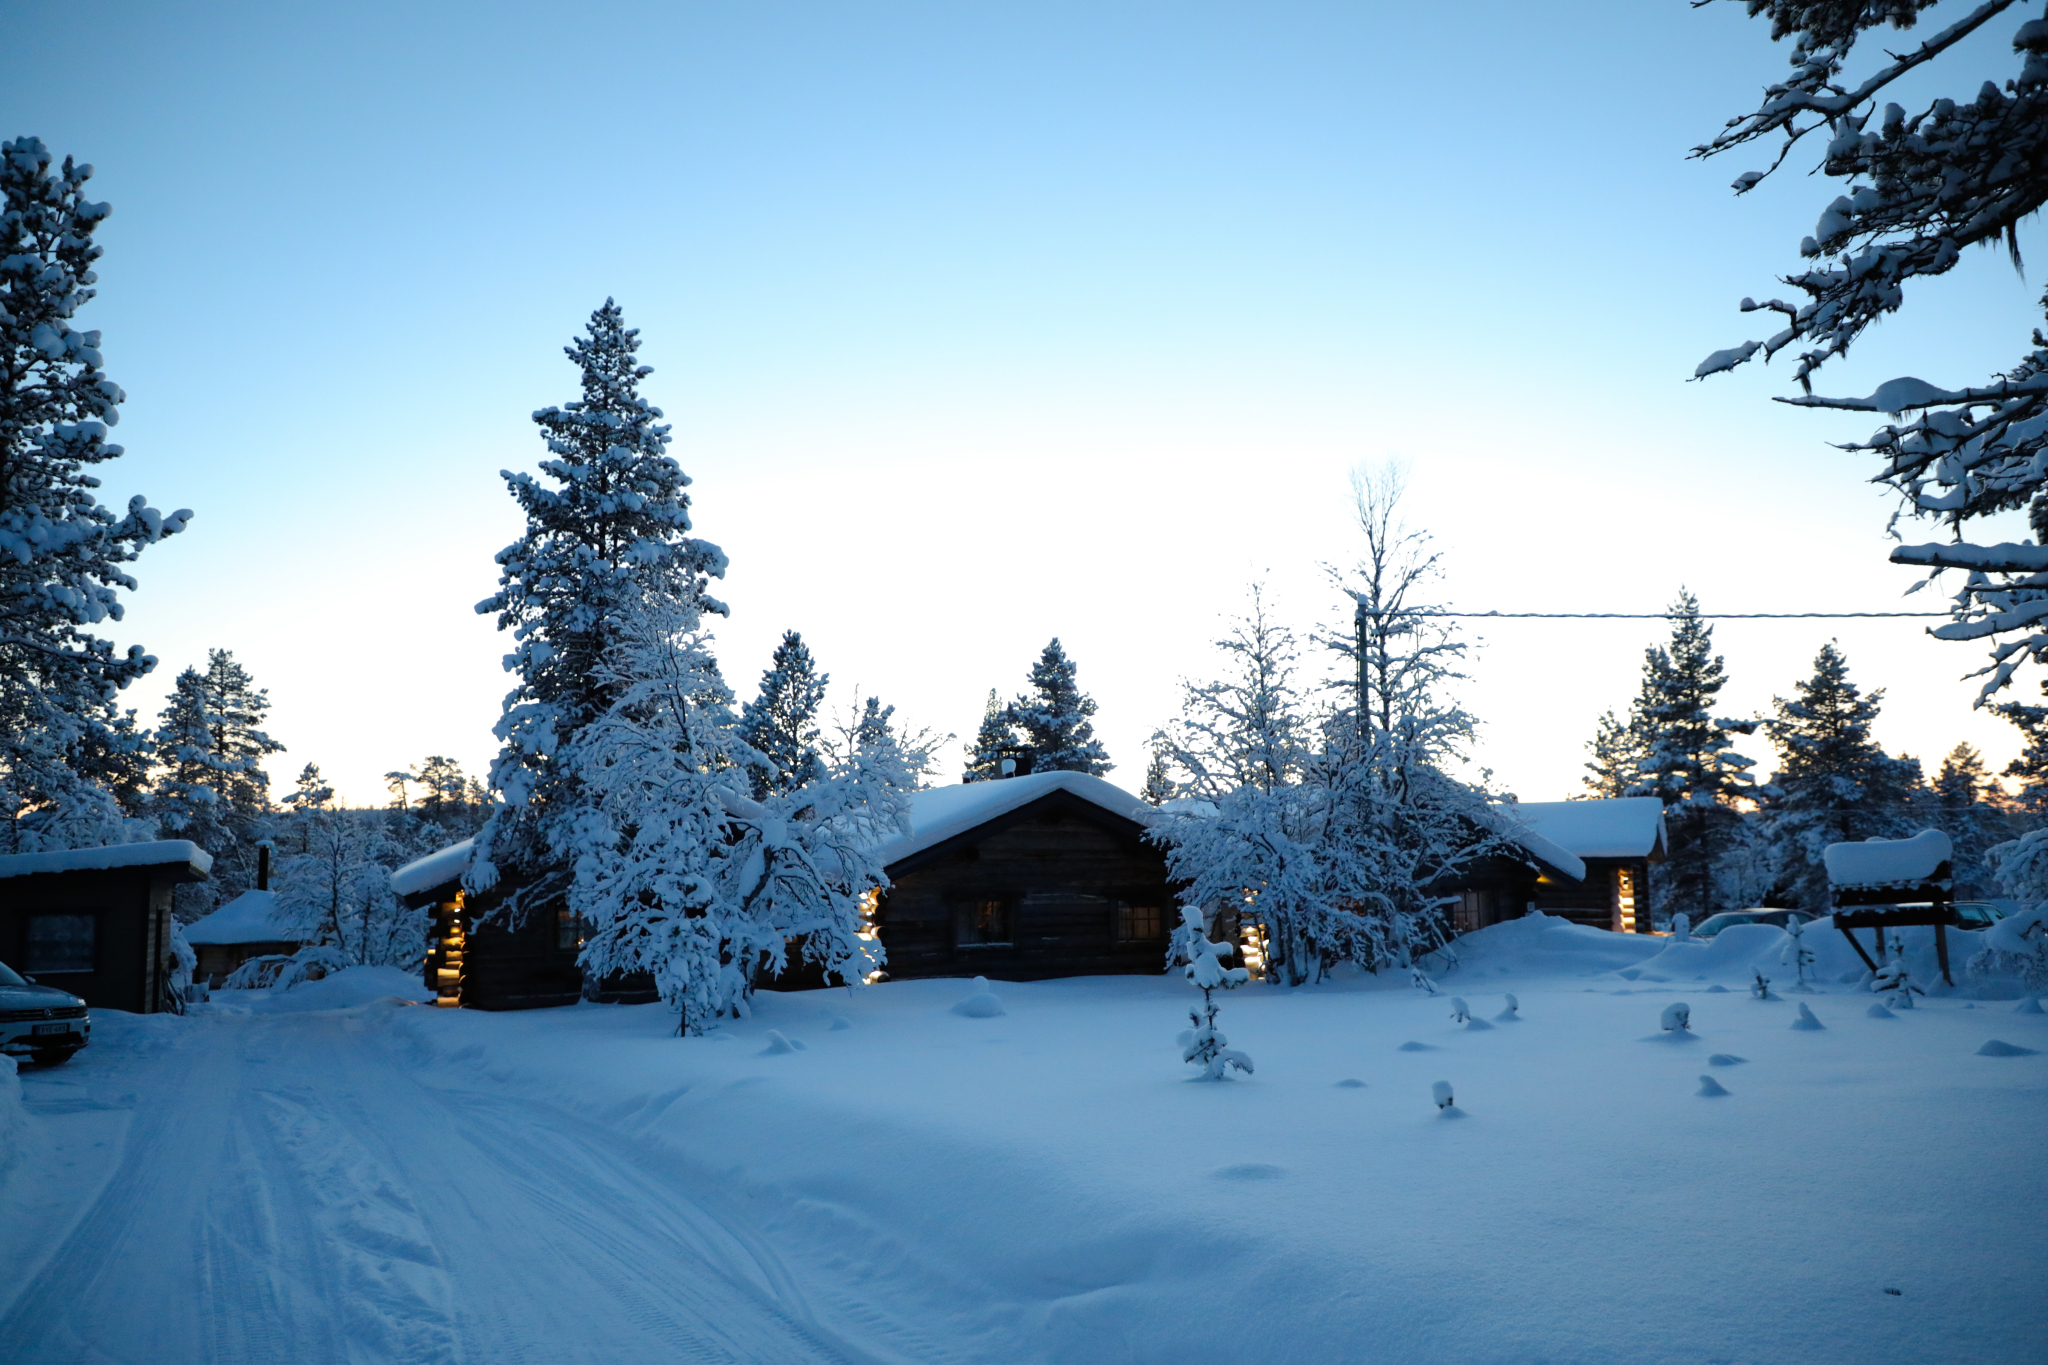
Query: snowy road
x=288 y=1190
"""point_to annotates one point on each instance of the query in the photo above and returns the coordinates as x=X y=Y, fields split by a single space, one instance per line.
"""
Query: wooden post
x=1941 y=951
x=1859 y=947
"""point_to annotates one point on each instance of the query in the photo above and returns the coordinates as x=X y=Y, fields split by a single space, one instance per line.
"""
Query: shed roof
x=1612 y=827
x=942 y=812
x=1877 y=863
x=192 y=861
x=252 y=917
x=436 y=869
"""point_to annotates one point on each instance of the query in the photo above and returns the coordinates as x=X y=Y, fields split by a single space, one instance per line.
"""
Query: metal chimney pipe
x=263 y=867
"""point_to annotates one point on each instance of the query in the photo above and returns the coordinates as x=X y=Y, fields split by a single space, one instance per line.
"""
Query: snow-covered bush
x=1796 y=950
x=314 y=962
x=256 y=973
x=1677 y=1018
x=1204 y=1044
x=1461 y=1013
x=1761 y=987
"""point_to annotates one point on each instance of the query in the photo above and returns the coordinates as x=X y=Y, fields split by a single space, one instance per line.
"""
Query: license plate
x=53 y=1028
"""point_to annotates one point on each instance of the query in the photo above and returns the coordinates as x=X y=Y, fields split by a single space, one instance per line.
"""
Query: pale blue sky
x=977 y=324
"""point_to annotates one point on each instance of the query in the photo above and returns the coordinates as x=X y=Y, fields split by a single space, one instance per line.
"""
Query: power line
x=1669 y=616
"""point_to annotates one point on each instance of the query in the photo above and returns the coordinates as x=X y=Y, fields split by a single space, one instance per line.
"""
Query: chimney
x=263 y=867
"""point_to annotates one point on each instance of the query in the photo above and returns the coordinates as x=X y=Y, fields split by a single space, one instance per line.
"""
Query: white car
x=42 y=1021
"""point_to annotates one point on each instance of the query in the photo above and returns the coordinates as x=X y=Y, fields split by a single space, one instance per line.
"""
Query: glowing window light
x=448 y=976
x=1625 y=900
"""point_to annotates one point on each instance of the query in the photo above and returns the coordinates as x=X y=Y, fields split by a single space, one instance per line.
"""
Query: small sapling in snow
x=1677 y=1017
x=1681 y=928
x=1893 y=979
x=1512 y=1013
x=1422 y=983
x=1761 y=987
x=1806 y=1021
x=1711 y=1087
x=1460 y=1013
x=1441 y=1092
x=1204 y=1045
x=1796 y=951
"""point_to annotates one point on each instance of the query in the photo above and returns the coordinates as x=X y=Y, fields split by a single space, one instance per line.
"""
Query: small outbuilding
x=480 y=961
x=97 y=921
x=1585 y=861
x=253 y=924
x=1024 y=878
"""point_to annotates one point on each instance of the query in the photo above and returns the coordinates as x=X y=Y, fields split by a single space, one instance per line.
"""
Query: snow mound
x=983 y=1004
x=1806 y=1020
x=1999 y=1048
x=1350 y=1083
x=1717 y=989
x=839 y=1021
x=1476 y=1025
x=1512 y=1014
x=777 y=1044
x=2030 y=1005
x=1543 y=945
x=1412 y=1046
x=1878 y=1011
x=1877 y=863
x=1251 y=1170
x=1710 y=1087
x=349 y=988
x=1726 y=1059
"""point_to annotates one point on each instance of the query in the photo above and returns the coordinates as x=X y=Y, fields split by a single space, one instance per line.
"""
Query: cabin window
x=60 y=943
x=985 y=924
x=568 y=929
x=1475 y=911
x=1137 y=923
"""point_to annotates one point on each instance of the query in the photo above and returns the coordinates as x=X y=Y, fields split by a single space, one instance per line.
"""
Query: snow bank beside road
x=345 y=989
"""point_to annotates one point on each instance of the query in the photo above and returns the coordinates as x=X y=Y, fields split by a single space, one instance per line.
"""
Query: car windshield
x=8 y=976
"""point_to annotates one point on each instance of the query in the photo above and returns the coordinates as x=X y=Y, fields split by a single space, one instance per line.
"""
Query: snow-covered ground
x=332 y=1175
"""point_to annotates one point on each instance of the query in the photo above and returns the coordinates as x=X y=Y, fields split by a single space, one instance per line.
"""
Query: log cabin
x=250 y=925
x=478 y=960
x=1585 y=861
x=97 y=921
x=1023 y=878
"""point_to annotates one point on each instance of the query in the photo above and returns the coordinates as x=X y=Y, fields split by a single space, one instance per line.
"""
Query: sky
x=981 y=325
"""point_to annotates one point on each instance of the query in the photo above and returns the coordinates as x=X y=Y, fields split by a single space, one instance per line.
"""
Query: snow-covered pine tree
x=2031 y=767
x=1159 y=785
x=1053 y=719
x=870 y=725
x=61 y=551
x=1919 y=189
x=781 y=722
x=1834 y=783
x=211 y=786
x=1201 y=961
x=1690 y=763
x=1250 y=729
x=1617 y=756
x=995 y=741
x=1972 y=823
x=680 y=871
x=607 y=524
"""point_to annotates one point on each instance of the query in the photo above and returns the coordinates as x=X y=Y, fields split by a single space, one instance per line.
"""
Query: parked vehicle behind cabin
x=1714 y=924
x=41 y=1021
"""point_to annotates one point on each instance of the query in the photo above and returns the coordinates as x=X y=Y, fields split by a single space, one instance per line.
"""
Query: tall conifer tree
x=607 y=525
x=995 y=740
x=210 y=748
x=781 y=723
x=1053 y=719
x=62 y=553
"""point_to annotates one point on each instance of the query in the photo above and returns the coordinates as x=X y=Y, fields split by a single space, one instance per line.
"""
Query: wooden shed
x=97 y=921
x=1585 y=861
x=250 y=925
x=478 y=960
x=1024 y=878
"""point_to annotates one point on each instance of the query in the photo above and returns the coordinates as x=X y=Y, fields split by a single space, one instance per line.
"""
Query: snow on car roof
x=942 y=812
x=252 y=917
x=436 y=869
x=157 y=853
x=1614 y=827
x=1888 y=862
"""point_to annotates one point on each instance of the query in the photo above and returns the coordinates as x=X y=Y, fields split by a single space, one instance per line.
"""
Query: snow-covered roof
x=157 y=853
x=939 y=814
x=1614 y=827
x=1549 y=850
x=252 y=917
x=1877 y=863
x=436 y=869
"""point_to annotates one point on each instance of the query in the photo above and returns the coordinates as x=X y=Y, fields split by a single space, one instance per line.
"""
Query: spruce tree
x=212 y=788
x=607 y=524
x=1689 y=762
x=1963 y=812
x=781 y=723
x=1159 y=785
x=993 y=742
x=1617 y=756
x=2031 y=767
x=1834 y=783
x=1053 y=719
x=62 y=553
